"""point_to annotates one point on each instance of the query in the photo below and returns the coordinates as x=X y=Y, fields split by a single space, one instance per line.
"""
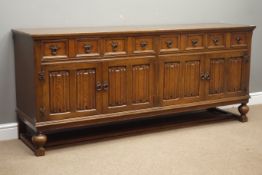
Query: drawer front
x=216 y=40
x=143 y=45
x=55 y=49
x=115 y=46
x=87 y=47
x=193 y=41
x=169 y=43
x=238 y=39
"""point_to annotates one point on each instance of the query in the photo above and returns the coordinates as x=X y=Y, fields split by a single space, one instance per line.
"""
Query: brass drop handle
x=169 y=43
x=105 y=86
x=207 y=76
x=202 y=76
x=238 y=39
x=54 y=49
x=143 y=44
x=194 y=42
x=215 y=41
x=87 y=48
x=98 y=86
x=114 y=45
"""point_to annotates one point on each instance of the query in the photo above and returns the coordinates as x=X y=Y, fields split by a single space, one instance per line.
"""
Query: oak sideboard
x=68 y=78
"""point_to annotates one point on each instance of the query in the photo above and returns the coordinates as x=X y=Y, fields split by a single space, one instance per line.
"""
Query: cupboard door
x=171 y=78
x=237 y=76
x=180 y=79
x=115 y=86
x=59 y=91
x=71 y=91
x=192 y=84
x=215 y=75
x=128 y=84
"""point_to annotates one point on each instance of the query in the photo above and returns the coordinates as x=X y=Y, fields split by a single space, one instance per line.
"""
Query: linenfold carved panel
x=217 y=73
x=192 y=78
x=117 y=85
x=59 y=92
x=172 y=77
x=85 y=89
x=234 y=74
x=140 y=83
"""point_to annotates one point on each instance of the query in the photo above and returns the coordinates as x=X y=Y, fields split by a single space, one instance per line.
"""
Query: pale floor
x=227 y=148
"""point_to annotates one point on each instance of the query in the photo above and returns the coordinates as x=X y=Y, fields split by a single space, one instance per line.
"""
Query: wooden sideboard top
x=37 y=32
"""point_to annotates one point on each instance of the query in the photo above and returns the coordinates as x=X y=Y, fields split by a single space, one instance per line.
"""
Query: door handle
x=98 y=86
x=205 y=76
x=202 y=76
x=105 y=86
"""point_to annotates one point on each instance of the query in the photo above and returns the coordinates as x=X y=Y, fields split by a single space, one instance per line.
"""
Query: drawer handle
x=194 y=42
x=215 y=41
x=169 y=43
x=143 y=44
x=54 y=49
x=114 y=45
x=87 y=48
x=238 y=39
x=98 y=86
x=105 y=86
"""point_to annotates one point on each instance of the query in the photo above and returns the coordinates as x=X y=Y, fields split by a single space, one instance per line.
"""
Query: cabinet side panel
x=24 y=72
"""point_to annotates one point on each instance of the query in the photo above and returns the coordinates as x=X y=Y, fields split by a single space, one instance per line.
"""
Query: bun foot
x=243 y=109
x=39 y=142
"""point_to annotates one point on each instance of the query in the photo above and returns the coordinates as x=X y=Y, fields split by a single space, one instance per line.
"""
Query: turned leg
x=39 y=141
x=243 y=109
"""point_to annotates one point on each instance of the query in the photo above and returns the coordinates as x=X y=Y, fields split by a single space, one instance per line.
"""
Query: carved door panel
x=71 y=91
x=180 y=79
x=128 y=84
x=171 y=72
x=227 y=74
x=192 y=85
x=237 y=74
x=215 y=75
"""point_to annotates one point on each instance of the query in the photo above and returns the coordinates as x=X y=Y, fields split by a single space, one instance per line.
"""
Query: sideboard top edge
x=43 y=32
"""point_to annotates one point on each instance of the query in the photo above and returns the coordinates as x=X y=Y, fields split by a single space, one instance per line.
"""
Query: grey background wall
x=68 y=13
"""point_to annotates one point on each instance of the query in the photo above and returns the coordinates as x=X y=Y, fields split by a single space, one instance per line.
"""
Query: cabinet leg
x=243 y=109
x=21 y=128
x=39 y=141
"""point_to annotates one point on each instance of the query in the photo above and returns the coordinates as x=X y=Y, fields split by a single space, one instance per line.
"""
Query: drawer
x=55 y=49
x=169 y=43
x=239 y=39
x=115 y=46
x=143 y=45
x=87 y=47
x=216 y=40
x=193 y=41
